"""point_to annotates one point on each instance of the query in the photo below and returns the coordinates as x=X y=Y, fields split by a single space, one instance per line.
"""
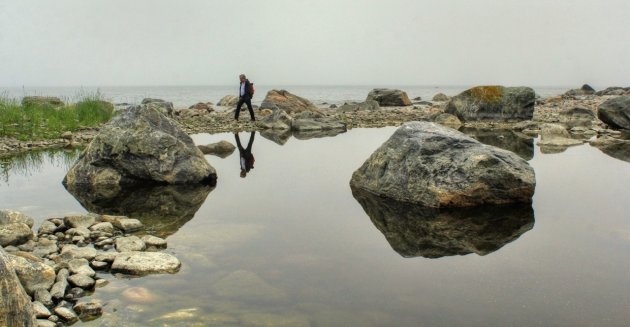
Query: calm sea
x=185 y=96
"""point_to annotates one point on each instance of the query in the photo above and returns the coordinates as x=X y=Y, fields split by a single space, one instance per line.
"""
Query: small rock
x=105 y=227
x=75 y=293
x=153 y=241
x=40 y=310
x=106 y=256
x=84 y=221
x=138 y=295
x=73 y=251
x=101 y=283
x=43 y=296
x=125 y=224
x=142 y=263
x=82 y=281
x=66 y=314
x=47 y=227
x=89 y=310
x=130 y=243
x=81 y=266
x=78 y=231
x=45 y=323
x=99 y=265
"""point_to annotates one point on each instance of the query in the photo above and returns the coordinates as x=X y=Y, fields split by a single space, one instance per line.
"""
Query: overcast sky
x=329 y=42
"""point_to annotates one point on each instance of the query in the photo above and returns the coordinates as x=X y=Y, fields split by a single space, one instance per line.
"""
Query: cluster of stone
x=67 y=257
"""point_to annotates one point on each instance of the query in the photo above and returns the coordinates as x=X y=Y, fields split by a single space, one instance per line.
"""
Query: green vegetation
x=35 y=120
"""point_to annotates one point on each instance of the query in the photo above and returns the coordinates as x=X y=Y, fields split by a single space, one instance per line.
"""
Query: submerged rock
x=139 y=145
x=615 y=112
x=144 y=263
x=435 y=166
x=389 y=97
x=495 y=103
x=15 y=304
x=161 y=209
x=414 y=230
x=221 y=149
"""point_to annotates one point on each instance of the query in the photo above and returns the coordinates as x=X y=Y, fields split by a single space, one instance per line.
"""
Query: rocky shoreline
x=207 y=119
x=67 y=258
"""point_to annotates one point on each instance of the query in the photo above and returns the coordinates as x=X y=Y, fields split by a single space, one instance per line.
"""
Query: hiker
x=245 y=94
x=246 y=156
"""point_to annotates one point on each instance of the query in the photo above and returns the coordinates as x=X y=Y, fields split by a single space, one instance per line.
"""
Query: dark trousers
x=248 y=101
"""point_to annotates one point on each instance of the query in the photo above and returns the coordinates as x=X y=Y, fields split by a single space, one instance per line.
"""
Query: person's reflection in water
x=246 y=156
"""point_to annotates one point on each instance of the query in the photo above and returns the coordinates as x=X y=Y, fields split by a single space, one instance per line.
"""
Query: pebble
x=40 y=310
x=66 y=314
x=82 y=281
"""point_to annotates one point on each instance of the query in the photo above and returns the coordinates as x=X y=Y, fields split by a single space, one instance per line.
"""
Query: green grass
x=36 y=121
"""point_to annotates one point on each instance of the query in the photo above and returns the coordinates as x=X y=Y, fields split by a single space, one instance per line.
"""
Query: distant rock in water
x=285 y=100
x=493 y=103
x=584 y=90
x=163 y=210
x=414 y=231
x=228 y=101
x=389 y=97
x=435 y=166
x=164 y=107
x=615 y=112
x=140 y=145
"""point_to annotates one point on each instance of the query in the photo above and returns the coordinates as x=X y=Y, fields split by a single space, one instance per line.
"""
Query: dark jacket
x=247 y=89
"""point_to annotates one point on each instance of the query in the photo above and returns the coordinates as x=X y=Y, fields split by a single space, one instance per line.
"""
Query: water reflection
x=162 y=209
x=506 y=139
x=281 y=137
x=246 y=158
x=618 y=150
x=27 y=163
x=419 y=231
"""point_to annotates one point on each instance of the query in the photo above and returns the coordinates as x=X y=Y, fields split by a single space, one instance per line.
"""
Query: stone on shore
x=14 y=234
x=448 y=120
x=81 y=266
x=143 y=263
x=389 y=97
x=129 y=244
x=154 y=241
x=318 y=124
x=368 y=105
x=577 y=117
x=123 y=223
x=228 y=101
x=40 y=310
x=84 y=221
x=82 y=281
x=615 y=112
x=53 y=102
x=137 y=146
x=15 y=304
x=72 y=251
x=290 y=103
x=66 y=314
x=202 y=106
x=435 y=166
x=441 y=97
x=33 y=274
x=278 y=120
x=555 y=135
x=493 y=103
x=220 y=149
x=160 y=105
x=614 y=90
x=12 y=217
x=584 y=90
x=88 y=310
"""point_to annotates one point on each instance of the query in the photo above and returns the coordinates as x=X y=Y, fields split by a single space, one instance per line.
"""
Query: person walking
x=245 y=93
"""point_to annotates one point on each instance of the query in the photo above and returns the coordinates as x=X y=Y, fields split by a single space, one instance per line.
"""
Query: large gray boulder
x=228 y=101
x=413 y=230
x=493 y=103
x=290 y=103
x=162 y=106
x=435 y=166
x=389 y=97
x=615 y=112
x=139 y=145
x=15 y=305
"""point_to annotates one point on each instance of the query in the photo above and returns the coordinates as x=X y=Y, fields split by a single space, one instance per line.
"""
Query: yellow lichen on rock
x=491 y=93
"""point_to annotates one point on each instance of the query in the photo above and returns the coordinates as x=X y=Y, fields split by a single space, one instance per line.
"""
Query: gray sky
x=340 y=42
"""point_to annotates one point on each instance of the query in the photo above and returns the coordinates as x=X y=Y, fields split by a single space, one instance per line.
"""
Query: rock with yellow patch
x=435 y=166
x=493 y=103
x=290 y=103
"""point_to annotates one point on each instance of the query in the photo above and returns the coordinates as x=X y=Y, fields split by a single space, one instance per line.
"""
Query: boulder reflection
x=163 y=209
x=506 y=139
x=281 y=137
x=414 y=231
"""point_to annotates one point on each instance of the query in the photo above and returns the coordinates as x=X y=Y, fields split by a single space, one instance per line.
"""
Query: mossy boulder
x=389 y=97
x=493 y=103
x=42 y=101
x=290 y=103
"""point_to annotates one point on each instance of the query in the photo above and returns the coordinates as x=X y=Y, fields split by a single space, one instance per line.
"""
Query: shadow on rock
x=506 y=139
x=414 y=231
x=163 y=209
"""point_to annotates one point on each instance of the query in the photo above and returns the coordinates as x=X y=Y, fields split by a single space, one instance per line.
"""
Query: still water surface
x=290 y=245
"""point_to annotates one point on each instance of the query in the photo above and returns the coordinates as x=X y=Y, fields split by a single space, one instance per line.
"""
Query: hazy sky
x=340 y=42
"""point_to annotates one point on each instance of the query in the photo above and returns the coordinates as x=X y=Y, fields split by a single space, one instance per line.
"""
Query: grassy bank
x=36 y=121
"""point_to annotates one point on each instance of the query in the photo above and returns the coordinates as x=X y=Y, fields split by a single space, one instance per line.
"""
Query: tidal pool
x=292 y=245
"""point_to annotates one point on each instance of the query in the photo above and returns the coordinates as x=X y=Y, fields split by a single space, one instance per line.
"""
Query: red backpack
x=251 y=89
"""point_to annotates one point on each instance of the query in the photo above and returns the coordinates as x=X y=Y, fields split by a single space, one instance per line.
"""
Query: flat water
x=289 y=245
